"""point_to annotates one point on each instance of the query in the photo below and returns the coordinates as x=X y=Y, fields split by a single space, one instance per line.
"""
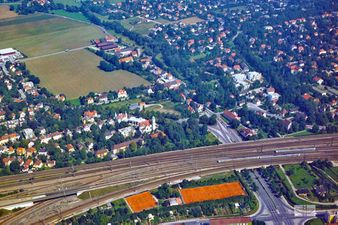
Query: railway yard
x=53 y=192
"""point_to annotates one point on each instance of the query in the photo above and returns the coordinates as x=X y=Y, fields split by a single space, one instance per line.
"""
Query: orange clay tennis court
x=141 y=202
x=213 y=192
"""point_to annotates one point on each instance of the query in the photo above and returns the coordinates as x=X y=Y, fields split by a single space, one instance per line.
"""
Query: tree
x=105 y=66
x=133 y=146
x=315 y=129
x=234 y=124
x=15 y=166
x=212 y=120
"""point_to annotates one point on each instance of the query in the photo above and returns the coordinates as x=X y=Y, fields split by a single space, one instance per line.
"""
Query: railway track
x=62 y=176
x=167 y=166
x=152 y=184
x=239 y=147
x=234 y=148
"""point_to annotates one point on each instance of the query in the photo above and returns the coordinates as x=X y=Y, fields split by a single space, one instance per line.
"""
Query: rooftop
x=6 y=51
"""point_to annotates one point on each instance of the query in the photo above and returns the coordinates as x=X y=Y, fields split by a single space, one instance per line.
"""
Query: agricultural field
x=213 y=192
x=140 y=202
x=5 y=13
x=191 y=20
x=62 y=72
x=39 y=34
x=301 y=177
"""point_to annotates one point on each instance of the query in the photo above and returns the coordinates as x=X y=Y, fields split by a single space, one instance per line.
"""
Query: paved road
x=274 y=210
x=222 y=130
x=53 y=54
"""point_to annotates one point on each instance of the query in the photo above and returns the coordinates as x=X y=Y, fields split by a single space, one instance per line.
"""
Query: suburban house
x=126 y=59
x=230 y=115
x=51 y=163
x=101 y=153
x=9 y=137
x=30 y=151
x=121 y=117
x=21 y=151
x=122 y=94
x=55 y=136
x=124 y=145
x=89 y=116
x=70 y=148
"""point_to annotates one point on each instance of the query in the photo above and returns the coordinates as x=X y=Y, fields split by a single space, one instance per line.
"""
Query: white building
x=122 y=94
x=253 y=76
x=127 y=131
x=9 y=54
x=28 y=133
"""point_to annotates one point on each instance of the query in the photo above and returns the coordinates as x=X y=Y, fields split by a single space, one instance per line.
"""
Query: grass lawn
x=332 y=172
x=300 y=133
x=198 y=56
x=5 y=13
x=75 y=101
x=76 y=74
x=293 y=198
x=101 y=191
x=40 y=34
x=69 y=2
x=116 y=1
x=137 y=25
x=211 y=138
x=218 y=176
x=163 y=21
x=315 y=221
x=122 y=104
x=191 y=20
x=168 y=107
x=240 y=8
x=300 y=177
x=73 y=15
x=4 y=212
x=124 y=39
x=143 y=28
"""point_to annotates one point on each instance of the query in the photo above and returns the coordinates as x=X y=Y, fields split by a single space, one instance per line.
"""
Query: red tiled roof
x=307 y=96
x=230 y=115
